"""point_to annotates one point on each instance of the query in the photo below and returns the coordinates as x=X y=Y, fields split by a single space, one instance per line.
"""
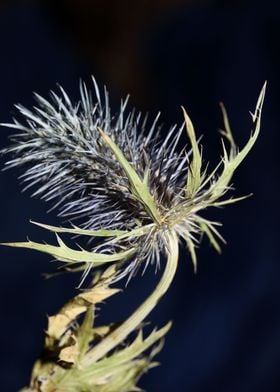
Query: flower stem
x=119 y=334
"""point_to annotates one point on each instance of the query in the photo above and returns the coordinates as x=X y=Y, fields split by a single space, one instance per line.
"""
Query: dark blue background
x=226 y=331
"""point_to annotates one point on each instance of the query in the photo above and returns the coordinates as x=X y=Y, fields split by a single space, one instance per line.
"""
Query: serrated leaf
x=227 y=131
x=205 y=229
x=140 y=188
x=231 y=200
x=77 y=230
x=138 y=346
x=192 y=251
x=63 y=253
x=233 y=160
x=194 y=175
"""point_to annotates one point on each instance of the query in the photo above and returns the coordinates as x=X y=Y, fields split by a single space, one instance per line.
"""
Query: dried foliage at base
x=68 y=342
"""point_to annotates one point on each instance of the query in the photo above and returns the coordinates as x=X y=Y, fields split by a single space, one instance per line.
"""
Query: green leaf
x=194 y=175
x=140 y=188
x=138 y=232
x=121 y=357
x=66 y=254
x=77 y=230
x=231 y=200
x=233 y=160
x=227 y=131
x=205 y=228
x=192 y=251
x=85 y=332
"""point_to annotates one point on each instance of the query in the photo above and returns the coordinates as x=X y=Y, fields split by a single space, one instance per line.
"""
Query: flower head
x=119 y=179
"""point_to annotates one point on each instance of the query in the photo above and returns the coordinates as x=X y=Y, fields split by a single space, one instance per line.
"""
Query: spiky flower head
x=117 y=178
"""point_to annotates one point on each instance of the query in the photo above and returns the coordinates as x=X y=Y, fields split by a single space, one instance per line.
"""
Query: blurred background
x=164 y=53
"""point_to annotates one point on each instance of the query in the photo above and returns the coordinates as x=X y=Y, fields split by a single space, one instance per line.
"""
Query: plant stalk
x=118 y=335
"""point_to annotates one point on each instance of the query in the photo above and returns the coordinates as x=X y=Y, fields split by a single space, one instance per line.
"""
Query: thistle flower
x=118 y=178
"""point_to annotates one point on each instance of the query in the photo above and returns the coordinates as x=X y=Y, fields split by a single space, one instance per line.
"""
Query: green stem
x=119 y=334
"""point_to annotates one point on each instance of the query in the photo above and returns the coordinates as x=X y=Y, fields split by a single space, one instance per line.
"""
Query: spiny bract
x=119 y=179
